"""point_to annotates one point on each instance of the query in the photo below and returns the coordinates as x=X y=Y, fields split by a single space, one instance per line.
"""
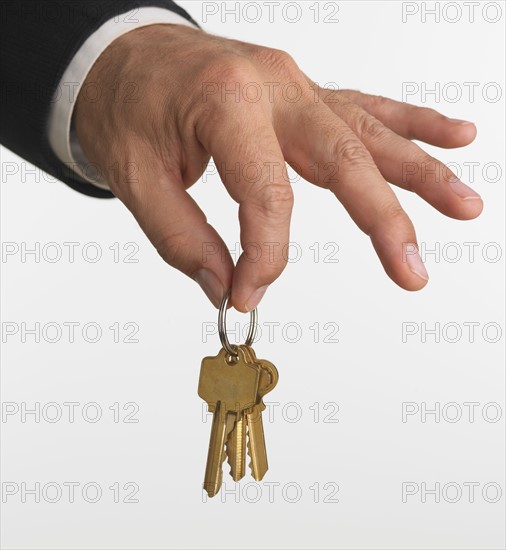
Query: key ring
x=222 y=327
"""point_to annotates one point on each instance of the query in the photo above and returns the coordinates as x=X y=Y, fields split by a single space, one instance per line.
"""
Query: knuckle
x=427 y=111
x=277 y=60
x=394 y=213
x=232 y=70
x=274 y=199
x=426 y=169
x=371 y=127
x=273 y=268
x=173 y=248
x=349 y=94
x=351 y=151
x=378 y=102
x=425 y=163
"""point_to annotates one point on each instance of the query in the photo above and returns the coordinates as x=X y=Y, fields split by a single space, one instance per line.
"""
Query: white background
x=363 y=460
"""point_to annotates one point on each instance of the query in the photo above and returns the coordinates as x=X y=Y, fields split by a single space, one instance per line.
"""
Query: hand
x=182 y=115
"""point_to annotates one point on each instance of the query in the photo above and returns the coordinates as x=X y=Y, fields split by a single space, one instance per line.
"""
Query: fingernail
x=414 y=261
x=462 y=190
x=211 y=285
x=254 y=299
x=459 y=121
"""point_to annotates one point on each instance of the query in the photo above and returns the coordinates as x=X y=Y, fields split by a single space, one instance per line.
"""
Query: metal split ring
x=222 y=327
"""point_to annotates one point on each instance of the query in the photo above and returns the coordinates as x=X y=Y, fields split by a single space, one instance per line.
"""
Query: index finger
x=250 y=162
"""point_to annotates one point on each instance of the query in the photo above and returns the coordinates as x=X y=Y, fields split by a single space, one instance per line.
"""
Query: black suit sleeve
x=38 y=40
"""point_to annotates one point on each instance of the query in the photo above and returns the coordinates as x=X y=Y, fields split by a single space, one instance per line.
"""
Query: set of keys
x=234 y=383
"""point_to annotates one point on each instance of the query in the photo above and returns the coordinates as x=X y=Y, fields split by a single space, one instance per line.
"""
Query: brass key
x=256 y=437
x=236 y=448
x=252 y=418
x=236 y=442
x=229 y=386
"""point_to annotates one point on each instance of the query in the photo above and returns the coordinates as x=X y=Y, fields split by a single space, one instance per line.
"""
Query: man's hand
x=168 y=102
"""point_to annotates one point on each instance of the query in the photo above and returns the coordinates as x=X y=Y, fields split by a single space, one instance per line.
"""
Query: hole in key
x=232 y=359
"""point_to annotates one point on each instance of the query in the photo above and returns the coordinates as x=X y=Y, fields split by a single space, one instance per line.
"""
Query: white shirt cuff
x=62 y=137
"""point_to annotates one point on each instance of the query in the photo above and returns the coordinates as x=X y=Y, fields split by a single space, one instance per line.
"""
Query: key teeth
x=228 y=456
x=230 y=459
x=225 y=455
x=256 y=475
x=250 y=454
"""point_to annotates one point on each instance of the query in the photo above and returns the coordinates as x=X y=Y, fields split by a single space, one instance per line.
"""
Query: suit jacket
x=38 y=39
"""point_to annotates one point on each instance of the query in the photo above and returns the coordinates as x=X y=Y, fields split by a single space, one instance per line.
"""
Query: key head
x=233 y=384
x=269 y=375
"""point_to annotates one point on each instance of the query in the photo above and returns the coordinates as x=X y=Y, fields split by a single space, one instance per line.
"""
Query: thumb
x=178 y=229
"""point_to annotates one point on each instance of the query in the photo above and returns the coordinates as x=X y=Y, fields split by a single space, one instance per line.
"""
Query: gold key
x=229 y=386
x=252 y=419
x=235 y=445
x=256 y=437
x=236 y=442
x=236 y=448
